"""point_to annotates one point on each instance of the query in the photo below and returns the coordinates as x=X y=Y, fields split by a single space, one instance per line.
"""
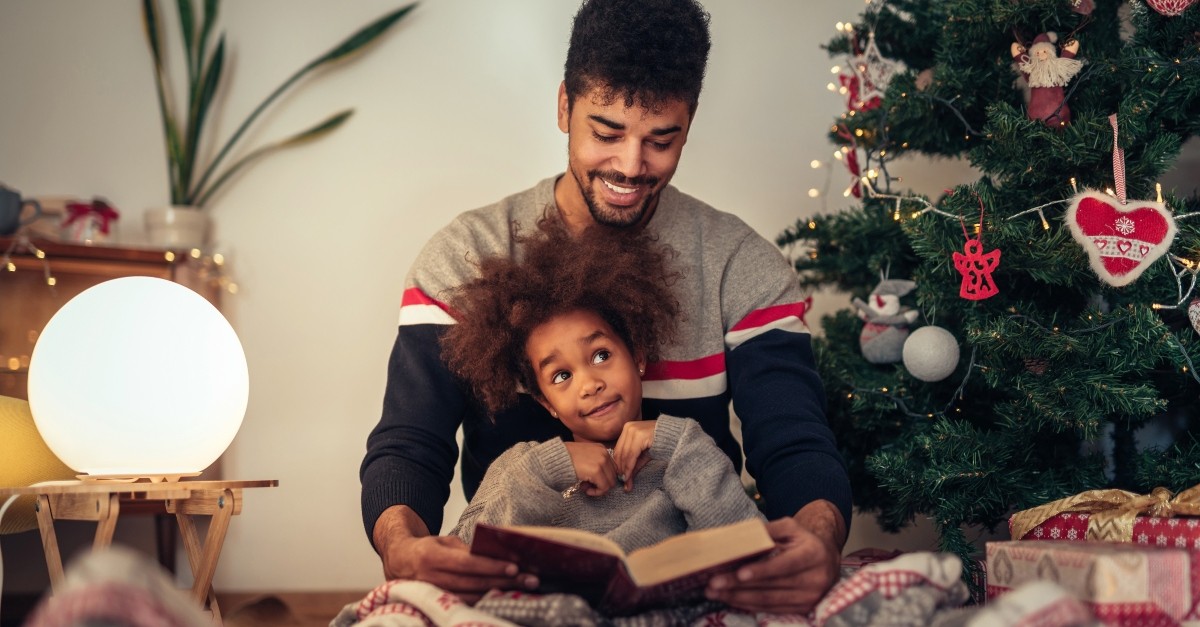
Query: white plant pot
x=176 y=228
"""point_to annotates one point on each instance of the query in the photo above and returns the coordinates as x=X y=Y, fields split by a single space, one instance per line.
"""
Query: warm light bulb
x=814 y=164
x=138 y=376
x=814 y=192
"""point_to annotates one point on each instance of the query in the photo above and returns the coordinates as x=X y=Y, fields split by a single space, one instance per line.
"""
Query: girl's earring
x=554 y=413
x=641 y=372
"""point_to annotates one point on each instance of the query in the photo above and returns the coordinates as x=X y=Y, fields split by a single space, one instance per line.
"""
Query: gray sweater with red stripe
x=743 y=340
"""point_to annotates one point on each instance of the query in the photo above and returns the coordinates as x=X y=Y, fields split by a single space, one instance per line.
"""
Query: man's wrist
x=396 y=523
x=823 y=519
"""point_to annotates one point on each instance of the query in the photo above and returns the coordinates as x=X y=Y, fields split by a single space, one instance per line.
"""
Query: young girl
x=574 y=323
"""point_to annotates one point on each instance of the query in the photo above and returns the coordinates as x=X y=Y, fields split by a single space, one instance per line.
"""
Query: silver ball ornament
x=930 y=353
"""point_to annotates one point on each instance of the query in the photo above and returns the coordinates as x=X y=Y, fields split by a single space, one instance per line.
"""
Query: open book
x=673 y=571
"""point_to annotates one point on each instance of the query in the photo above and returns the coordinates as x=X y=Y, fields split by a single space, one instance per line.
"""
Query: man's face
x=619 y=158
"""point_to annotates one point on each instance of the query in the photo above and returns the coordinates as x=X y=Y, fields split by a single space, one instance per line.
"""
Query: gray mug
x=11 y=205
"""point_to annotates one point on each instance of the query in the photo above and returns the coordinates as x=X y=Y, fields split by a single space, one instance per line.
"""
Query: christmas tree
x=1049 y=320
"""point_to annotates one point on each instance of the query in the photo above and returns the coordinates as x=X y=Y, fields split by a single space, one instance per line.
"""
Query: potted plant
x=193 y=181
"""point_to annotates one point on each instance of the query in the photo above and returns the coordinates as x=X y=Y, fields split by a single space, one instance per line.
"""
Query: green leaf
x=363 y=37
x=187 y=26
x=353 y=43
x=150 y=25
x=322 y=128
x=198 y=111
x=150 y=22
x=206 y=26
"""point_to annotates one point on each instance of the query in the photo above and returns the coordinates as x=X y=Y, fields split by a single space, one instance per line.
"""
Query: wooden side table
x=100 y=501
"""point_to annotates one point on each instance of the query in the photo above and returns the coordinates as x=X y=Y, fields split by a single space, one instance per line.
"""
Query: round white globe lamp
x=138 y=377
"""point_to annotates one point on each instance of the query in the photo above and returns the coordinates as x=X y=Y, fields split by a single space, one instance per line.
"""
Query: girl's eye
x=560 y=376
x=601 y=356
x=608 y=139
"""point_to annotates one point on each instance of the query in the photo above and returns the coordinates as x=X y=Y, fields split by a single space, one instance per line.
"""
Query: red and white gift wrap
x=1157 y=520
x=1121 y=583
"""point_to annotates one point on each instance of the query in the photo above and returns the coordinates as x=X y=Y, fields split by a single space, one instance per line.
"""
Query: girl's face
x=588 y=378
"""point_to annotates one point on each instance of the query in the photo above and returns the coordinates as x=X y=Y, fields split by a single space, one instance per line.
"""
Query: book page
x=697 y=550
x=574 y=537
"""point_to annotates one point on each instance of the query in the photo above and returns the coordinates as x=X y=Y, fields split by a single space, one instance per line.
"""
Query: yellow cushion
x=24 y=460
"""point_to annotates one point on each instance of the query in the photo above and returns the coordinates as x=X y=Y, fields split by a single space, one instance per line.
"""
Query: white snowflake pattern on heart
x=1124 y=225
x=1170 y=8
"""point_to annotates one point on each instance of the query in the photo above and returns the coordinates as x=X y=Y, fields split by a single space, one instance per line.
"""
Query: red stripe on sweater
x=689 y=370
x=767 y=315
x=414 y=296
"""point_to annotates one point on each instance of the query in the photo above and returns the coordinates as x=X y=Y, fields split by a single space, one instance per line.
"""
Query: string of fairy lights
x=211 y=266
x=210 y=269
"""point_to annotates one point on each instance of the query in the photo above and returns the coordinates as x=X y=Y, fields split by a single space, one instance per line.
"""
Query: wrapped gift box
x=1123 y=584
x=1156 y=520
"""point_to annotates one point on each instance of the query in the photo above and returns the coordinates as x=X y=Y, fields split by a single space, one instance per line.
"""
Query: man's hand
x=593 y=466
x=795 y=577
x=632 y=450
x=409 y=552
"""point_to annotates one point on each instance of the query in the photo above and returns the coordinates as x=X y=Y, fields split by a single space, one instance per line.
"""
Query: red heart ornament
x=1121 y=240
x=1170 y=8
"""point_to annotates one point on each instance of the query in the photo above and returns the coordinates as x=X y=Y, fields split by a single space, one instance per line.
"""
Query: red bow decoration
x=103 y=212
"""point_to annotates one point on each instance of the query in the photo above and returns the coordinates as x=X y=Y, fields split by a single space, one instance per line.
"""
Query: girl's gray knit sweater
x=688 y=484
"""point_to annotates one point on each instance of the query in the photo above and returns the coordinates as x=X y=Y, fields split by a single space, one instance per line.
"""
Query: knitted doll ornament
x=882 y=338
x=1047 y=73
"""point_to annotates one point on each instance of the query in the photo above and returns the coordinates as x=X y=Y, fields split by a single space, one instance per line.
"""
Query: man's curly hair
x=648 y=52
x=623 y=276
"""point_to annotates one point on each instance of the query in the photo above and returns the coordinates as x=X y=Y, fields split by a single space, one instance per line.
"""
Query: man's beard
x=609 y=216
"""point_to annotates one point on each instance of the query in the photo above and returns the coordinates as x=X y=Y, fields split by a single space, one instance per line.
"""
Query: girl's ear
x=640 y=360
x=542 y=401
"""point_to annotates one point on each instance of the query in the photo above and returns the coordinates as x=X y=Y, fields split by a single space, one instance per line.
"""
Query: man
x=632 y=82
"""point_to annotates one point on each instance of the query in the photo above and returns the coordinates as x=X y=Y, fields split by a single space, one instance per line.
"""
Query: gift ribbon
x=104 y=213
x=1111 y=512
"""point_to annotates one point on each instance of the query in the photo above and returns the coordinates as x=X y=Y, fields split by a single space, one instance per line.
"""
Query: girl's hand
x=593 y=466
x=632 y=450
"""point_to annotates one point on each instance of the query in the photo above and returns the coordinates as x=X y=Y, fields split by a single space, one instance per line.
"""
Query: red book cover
x=580 y=562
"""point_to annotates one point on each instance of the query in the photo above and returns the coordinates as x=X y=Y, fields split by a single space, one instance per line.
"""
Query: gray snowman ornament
x=882 y=338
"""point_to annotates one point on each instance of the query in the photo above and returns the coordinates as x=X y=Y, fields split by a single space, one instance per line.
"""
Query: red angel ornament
x=976 y=268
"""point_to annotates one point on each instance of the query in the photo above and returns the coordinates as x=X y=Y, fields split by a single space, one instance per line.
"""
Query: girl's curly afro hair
x=621 y=275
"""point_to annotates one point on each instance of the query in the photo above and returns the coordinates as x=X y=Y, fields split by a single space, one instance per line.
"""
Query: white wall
x=455 y=109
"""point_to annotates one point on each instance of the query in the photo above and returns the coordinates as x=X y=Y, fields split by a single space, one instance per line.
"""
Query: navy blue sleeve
x=411 y=452
x=790 y=450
